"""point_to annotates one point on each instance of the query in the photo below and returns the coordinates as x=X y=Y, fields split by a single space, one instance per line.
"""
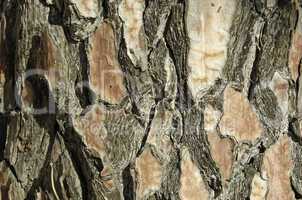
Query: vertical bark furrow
x=150 y=99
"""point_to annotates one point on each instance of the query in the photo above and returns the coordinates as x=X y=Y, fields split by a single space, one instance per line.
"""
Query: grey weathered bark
x=150 y=99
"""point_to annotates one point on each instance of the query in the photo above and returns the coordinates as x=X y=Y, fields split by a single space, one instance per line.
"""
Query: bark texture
x=150 y=99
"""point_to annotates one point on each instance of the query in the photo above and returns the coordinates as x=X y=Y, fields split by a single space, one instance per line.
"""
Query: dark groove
x=106 y=8
x=12 y=169
x=84 y=93
x=128 y=182
x=297 y=194
x=147 y=130
x=3 y=133
x=73 y=146
x=254 y=80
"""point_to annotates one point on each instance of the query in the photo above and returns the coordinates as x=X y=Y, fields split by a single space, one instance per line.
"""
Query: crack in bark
x=144 y=90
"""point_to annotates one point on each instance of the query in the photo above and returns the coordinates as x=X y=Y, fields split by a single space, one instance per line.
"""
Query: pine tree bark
x=150 y=99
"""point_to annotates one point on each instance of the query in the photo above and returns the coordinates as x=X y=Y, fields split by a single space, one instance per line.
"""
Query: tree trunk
x=150 y=99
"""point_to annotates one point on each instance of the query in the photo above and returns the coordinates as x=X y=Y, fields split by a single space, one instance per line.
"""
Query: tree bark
x=150 y=99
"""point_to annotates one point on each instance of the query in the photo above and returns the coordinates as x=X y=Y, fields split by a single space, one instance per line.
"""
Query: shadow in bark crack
x=3 y=132
x=128 y=191
x=84 y=93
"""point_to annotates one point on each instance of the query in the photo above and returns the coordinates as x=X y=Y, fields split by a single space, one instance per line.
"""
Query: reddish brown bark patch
x=295 y=55
x=192 y=185
x=222 y=152
x=44 y=62
x=149 y=172
x=45 y=58
x=277 y=164
x=239 y=119
x=42 y=52
x=106 y=75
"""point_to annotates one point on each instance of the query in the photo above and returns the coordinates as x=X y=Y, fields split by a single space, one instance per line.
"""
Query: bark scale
x=150 y=99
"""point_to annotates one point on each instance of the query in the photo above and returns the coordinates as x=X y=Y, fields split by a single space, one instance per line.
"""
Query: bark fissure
x=150 y=99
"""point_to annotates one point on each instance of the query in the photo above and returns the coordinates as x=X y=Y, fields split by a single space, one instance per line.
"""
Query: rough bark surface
x=150 y=99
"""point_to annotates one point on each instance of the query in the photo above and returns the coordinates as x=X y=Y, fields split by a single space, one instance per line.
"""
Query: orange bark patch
x=192 y=185
x=277 y=164
x=224 y=160
x=91 y=128
x=239 y=119
x=149 y=172
x=106 y=75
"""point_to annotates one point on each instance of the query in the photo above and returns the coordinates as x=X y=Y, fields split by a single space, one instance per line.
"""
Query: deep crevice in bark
x=145 y=92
